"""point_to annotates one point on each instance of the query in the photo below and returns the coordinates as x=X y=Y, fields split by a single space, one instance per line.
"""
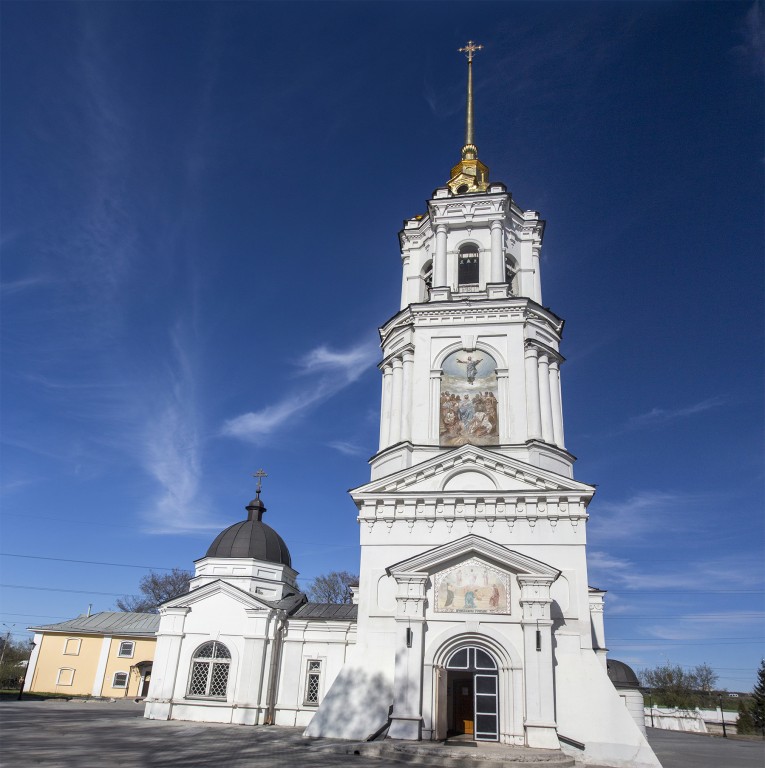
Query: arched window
x=426 y=275
x=209 y=671
x=467 y=268
x=511 y=270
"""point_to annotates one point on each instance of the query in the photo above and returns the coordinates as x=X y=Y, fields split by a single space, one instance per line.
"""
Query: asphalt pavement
x=76 y=734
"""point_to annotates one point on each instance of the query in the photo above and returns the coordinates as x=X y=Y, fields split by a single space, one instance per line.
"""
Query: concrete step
x=459 y=755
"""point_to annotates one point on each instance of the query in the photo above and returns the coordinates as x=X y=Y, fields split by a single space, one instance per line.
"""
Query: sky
x=199 y=208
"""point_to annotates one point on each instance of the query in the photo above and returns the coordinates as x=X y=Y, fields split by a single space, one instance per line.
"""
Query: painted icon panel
x=472 y=587
x=469 y=408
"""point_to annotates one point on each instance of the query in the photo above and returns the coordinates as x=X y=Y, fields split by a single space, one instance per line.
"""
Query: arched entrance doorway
x=472 y=694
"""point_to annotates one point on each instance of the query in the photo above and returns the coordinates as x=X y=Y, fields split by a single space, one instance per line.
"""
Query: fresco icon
x=472 y=587
x=469 y=407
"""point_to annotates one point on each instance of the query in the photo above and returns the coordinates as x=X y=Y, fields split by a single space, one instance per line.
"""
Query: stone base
x=497 y=290
x=407 y=727
x=542 y=736
x=442 y=293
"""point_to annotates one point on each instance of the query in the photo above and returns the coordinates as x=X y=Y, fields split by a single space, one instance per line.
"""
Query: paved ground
x=60 y=734
x=695 y=750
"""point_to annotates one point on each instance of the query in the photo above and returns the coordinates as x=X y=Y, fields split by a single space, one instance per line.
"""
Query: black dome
x=251 y=538
x=621 y=675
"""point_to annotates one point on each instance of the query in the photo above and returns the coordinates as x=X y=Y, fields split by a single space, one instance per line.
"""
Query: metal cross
x=260 y=474
x=470 y=49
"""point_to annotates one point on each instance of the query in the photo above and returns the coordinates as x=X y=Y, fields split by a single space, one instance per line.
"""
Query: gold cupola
x=470 y=174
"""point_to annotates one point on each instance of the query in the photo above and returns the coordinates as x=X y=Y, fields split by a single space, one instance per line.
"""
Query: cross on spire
x=260 y=474
x=470 y=49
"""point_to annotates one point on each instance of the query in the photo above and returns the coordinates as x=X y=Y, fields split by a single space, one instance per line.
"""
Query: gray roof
x=251 y=538
x=341 y=612
x=107 y=623
x=621 y=675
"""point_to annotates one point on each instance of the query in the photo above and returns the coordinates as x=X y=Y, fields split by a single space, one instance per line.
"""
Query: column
x=544 y=398
x=395 y=410
x=557 y=407
x=387 y=372
x=537 y=276
x=439 y=260
x=435 y=405
x=164 y=673
x=539 y=721
x=406 y=402
x=503 y=410
x=497 y=253
x=406 y=721
x=534 y=429
x=597 y=627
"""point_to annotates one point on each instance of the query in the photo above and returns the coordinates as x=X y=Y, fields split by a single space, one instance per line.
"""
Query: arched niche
x=468 y=399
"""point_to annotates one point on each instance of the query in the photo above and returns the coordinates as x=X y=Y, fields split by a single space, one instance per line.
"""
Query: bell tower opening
x=468 y=268
x=472 y=695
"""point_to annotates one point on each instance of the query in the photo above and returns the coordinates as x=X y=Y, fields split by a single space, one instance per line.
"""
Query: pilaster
x=538 y=661
x=406 y=720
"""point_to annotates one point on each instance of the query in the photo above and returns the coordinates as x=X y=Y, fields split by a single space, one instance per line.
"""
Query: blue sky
x=200 y=204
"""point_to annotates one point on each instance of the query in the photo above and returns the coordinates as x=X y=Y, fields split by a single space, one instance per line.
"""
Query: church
x=473 y=616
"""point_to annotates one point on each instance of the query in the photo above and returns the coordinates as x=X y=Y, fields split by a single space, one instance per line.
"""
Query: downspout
x=273 y=671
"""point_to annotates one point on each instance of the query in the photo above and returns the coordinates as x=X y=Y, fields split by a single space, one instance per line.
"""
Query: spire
x=469 y=175
x=256 y=507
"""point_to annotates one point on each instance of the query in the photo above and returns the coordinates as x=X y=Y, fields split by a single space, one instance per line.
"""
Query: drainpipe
x=273 y=671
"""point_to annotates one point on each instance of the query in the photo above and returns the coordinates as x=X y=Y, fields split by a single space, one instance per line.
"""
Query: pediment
x=218 y=587
x=473 y=469
x=473 y=547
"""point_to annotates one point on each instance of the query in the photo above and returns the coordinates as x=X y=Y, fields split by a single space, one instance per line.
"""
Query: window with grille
x=312 y=681
x=209 y=671
x=126 y=649
x=120 y=680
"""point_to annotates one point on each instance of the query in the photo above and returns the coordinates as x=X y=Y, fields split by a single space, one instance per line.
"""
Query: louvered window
x=209 y=671
x=313 y=682
x=467 y=269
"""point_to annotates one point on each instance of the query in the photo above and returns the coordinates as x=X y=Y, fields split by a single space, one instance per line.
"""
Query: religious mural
x=469 y=400
x=472 y=587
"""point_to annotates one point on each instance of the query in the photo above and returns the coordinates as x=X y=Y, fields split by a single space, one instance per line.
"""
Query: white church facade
x=473 y=615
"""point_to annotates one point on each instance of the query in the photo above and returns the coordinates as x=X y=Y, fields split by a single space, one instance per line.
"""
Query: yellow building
x=107 y=654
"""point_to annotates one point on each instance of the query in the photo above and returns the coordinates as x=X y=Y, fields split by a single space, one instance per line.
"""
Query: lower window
x=209 y=671
x=120 y=680
x=312 y=682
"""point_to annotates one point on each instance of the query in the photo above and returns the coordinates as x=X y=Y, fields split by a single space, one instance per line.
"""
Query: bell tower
x=474 y=611
x=472 y=357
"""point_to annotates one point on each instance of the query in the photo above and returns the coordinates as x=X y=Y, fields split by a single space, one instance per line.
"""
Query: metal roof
x=342 y=612
x=107 y=623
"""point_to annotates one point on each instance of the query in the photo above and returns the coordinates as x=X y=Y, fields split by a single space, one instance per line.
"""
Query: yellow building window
x=72 y=646
x=65 y=676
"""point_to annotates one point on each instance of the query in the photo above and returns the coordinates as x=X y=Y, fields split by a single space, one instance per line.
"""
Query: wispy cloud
x=734 y=573
x=347 y=448
x=752 y=31
x=635 y=516
x=658 y=416
x=331 y=372
x=170 y=449
x=11 y=287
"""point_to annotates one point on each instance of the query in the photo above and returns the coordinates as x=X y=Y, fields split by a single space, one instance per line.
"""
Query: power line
x=59 y=589
x=88 y=562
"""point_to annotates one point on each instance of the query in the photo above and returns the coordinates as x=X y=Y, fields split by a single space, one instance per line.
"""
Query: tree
x=758 y=700
x=333 y=587
x=13 y=655
x=156 y=588
x=675 y=687
x=745 y=722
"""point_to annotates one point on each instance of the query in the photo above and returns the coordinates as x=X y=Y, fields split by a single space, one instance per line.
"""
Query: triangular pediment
x=473 y=469
x=473 y=546
x=218 y=587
